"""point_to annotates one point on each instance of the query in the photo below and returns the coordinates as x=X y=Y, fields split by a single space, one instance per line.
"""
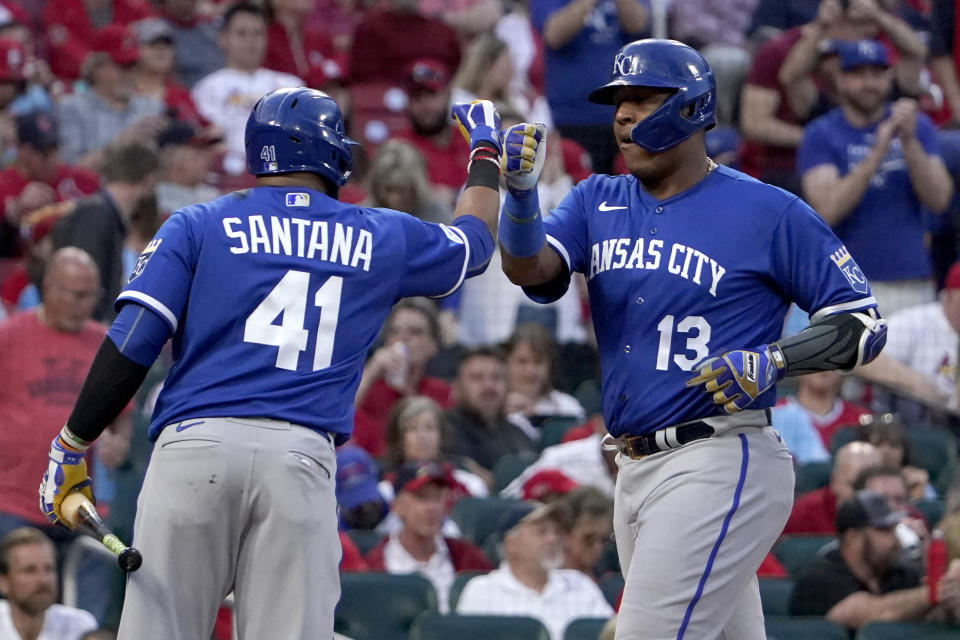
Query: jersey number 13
x=289 y=299
x=697 y=330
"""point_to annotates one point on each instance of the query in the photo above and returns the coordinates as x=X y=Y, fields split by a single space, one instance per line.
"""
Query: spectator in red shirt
x=816 y=511
x=37 y=177
x=388 y=41
x=423 y=500
x=396 y=370
x=430 y=131
x=153 y=73
x=819 y=395
x=70 y=25
x=298 y=48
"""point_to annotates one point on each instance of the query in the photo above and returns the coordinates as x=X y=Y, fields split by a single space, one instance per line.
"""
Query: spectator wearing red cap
x=225 y=97
x=108 y=111
x=187 y=156
x=70 y=27
x=427 y=83
x=153 y=74
x=298 y=48
x=37 y=177
x=548 y=485
x=920 y=358
x=387 y=42
x=423 y=499
x=194 y=40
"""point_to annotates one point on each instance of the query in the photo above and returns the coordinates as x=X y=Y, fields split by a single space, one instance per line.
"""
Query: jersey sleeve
x=813 y=268
x=814 y=150
x=164 y=271
x=566 y=230
x=439 y=257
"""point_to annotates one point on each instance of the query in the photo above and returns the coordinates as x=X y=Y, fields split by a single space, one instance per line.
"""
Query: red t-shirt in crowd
x=386 y=42
x=352 y=559
x=843 y=414
x=69 y=183
x=446 y=165
x=813 y=512
x=370 y=418
x=310 y=56
x=42 y=372
x=771 y=568
x=69 y=32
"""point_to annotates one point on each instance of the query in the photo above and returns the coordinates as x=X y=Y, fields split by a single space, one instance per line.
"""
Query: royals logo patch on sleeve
x=848 y=267
x=144 y=258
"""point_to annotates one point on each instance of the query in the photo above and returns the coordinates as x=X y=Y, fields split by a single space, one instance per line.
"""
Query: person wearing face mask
x=530 y=581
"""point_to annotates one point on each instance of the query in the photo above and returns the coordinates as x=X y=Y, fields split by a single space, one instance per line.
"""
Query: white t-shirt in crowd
x=60 y=622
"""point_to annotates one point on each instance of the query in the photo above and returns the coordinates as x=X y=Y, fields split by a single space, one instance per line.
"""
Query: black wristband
x=484 y=172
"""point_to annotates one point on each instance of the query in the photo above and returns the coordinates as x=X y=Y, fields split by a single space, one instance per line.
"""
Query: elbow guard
x=839 y=341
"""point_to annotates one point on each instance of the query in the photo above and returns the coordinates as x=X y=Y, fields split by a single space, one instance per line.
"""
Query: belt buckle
x=630 y=451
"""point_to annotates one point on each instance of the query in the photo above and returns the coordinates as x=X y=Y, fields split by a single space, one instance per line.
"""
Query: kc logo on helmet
x=624 y=65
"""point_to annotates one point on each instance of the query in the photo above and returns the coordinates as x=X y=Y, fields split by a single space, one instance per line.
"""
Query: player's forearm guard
x=839 y=341
x=521 y=230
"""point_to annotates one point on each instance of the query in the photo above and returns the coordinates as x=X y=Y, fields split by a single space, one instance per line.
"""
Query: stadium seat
x=552 y=430
x=945 y=478
x=365 y=539
x=459 y=583
x=805 y=629
x=433 y=626
x=775 y=596
x=584 y=629
x=797 y=551
x=841 y=437
x=933 y=447
x=397 y=600
x=589 y=396
x=611 y=585
x=813 y=475
x=932 y=511
x=479 y=517
x=509 y=466
x=907 y=631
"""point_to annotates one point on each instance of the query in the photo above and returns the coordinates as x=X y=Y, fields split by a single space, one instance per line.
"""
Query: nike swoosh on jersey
x=604 y=207
x=187 y=425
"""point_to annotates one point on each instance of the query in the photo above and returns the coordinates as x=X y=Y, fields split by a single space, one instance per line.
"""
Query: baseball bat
x=81 y=515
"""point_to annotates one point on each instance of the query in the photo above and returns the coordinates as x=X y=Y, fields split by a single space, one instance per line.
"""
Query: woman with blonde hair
x=398 y=180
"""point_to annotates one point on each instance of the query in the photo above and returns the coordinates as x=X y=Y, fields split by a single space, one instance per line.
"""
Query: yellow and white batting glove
x=524 y=154
x=738 y=377
x=66 y=472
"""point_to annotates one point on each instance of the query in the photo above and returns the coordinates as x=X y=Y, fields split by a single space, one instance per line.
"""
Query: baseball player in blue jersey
x=273 y=297
x=690 y=268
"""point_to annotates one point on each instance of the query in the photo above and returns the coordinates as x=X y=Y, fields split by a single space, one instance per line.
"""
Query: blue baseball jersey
x=274 y=295
x=888 y=203
x=674 y=281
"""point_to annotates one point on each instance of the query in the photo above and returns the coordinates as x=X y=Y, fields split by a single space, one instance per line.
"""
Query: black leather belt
x=641 y=446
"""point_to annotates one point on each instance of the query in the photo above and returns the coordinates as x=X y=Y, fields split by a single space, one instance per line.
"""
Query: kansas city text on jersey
x=681 y=260
x=300 y=237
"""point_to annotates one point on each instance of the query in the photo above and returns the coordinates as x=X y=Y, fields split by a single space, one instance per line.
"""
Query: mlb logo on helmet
x=298 y=199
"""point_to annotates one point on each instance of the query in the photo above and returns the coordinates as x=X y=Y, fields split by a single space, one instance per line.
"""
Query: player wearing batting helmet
x=272 y=297
x=691 y=267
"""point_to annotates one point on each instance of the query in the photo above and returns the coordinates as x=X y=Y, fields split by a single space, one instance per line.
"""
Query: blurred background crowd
x=475 y=482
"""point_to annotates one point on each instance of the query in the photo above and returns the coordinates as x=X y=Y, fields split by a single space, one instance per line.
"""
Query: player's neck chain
x=711 y=165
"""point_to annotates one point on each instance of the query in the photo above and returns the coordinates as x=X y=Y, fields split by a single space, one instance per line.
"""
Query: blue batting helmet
x=664 y=64
x=298 y=129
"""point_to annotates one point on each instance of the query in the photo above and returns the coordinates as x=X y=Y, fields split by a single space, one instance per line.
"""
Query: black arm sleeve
x=827 y=344
x=111 y=383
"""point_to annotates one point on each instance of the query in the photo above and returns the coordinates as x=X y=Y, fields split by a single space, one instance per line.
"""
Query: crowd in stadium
x=476 y=460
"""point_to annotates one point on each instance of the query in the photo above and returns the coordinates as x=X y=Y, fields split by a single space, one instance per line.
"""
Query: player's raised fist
x=524 y=153
x=738 y=377
x=66 y=471
x=478 y=122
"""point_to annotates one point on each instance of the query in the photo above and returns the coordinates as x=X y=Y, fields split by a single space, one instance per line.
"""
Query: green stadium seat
x=396 y=601
x=945 y=478
x=509 y=466
x=775 y=596
x=459 y=583
x=553 y=429
x=584 y=629
x=611 y=585
x=907 y=631
x=933 y=447
x=433 y=626
x=365 y=539
x=479 y=517
x=797 y=551
x=813 y=475
x=932 y=511
x=805 y=629
x=590 y=396
x=841 y=437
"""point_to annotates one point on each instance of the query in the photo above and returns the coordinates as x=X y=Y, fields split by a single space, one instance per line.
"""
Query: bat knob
x=129 y=559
